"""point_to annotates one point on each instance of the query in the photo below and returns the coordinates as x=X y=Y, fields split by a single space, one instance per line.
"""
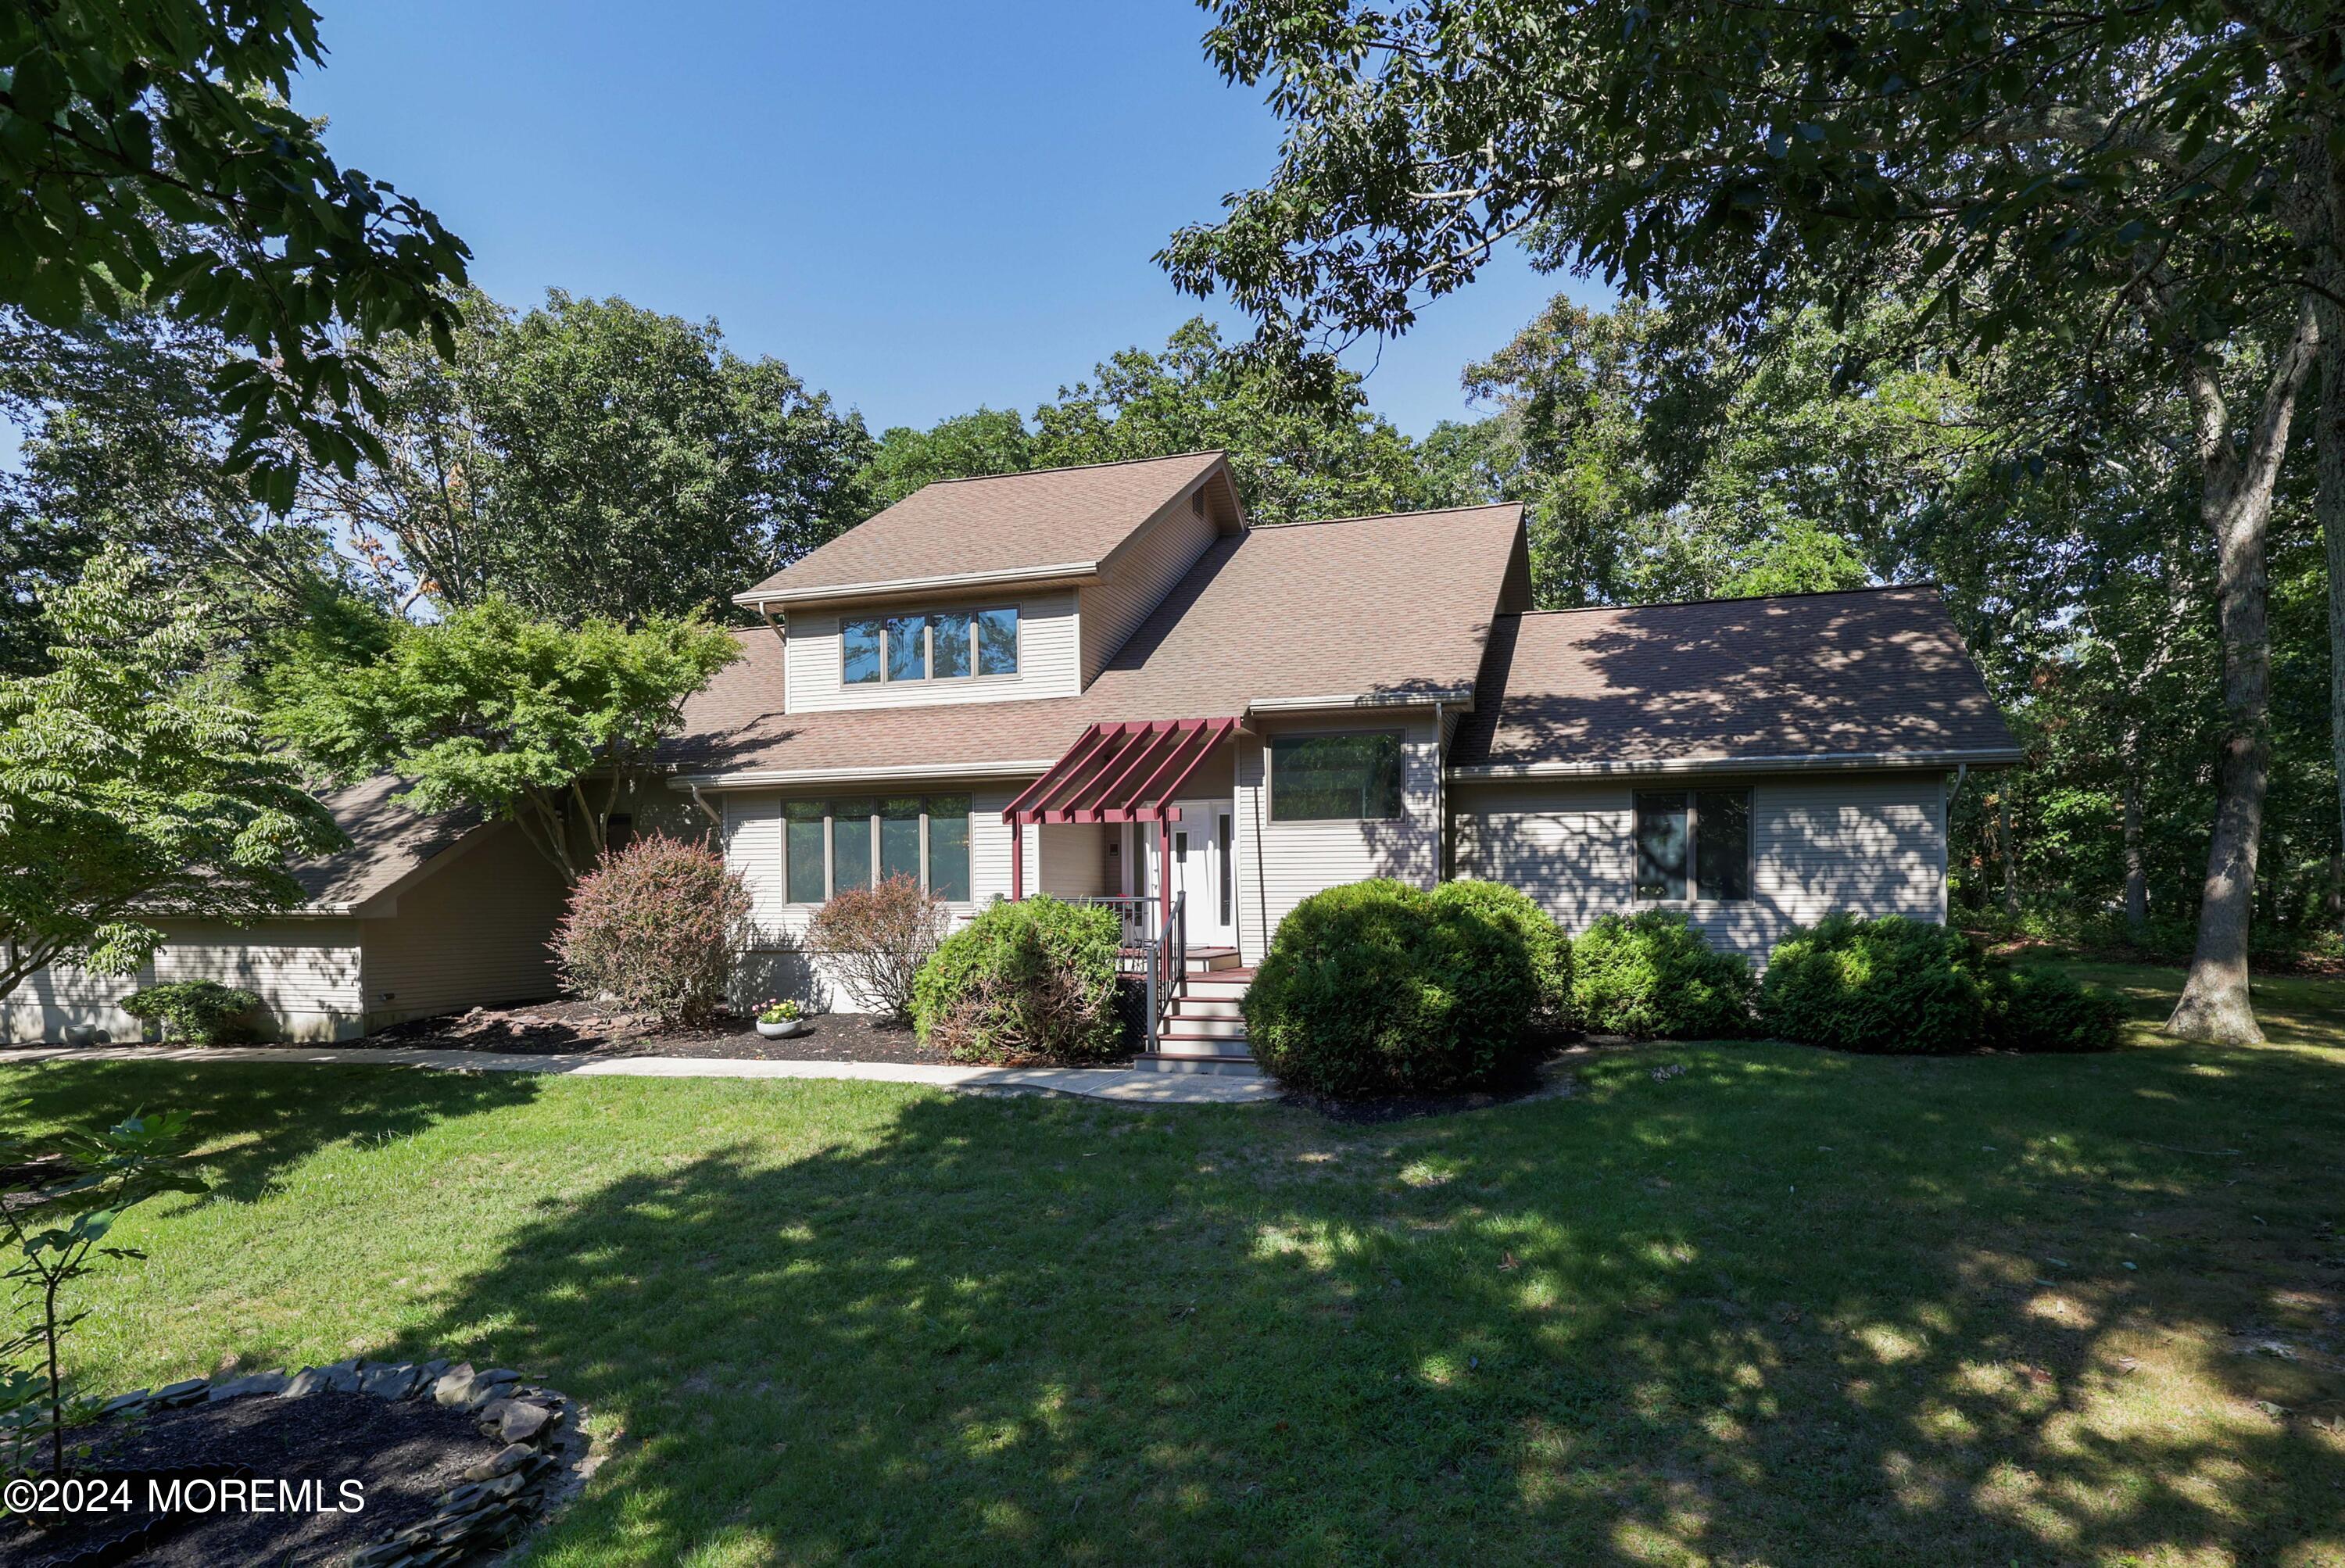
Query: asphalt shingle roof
x=1872 y=670
x=1002 y=523
x=388 y=841
x=1377 y=606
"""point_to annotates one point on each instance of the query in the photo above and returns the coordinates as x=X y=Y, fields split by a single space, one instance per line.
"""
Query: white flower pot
x=785 y=1030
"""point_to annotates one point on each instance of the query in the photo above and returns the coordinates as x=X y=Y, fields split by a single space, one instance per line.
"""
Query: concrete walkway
x=1123 y=1085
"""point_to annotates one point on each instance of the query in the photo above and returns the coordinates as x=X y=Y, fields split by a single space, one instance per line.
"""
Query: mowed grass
x=1782 y=1307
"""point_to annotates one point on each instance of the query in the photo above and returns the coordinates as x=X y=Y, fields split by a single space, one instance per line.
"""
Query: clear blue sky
x=919 y=207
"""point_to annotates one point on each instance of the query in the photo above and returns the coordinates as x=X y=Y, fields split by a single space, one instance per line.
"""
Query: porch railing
x=1164 y=961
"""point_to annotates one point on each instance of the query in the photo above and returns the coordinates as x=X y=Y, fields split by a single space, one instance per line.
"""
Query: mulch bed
x=583 y=1028
x=406 y=1455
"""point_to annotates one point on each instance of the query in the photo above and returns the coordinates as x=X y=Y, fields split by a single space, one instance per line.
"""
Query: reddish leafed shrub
x=876 y=939
x=656 y=928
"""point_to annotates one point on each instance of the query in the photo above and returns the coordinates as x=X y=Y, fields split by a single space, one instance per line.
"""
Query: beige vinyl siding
x=754 y=847
x=1074 y=861
x=1048 y=665
x=1872 y=843
x=1280 y=864
x=471 y=934
x=306 y=972
x=1143 y=572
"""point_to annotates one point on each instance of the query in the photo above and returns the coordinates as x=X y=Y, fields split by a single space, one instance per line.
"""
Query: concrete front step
x=1183 y=1024
x=1192 y=1062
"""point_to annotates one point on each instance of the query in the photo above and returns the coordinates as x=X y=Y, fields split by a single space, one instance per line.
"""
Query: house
x=419 y=914
x=1105 y=682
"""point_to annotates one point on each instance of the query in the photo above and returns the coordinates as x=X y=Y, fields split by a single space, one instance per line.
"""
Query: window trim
x=928 y=675
x=1270 y=772
x=1694 y=897
x=831 y=821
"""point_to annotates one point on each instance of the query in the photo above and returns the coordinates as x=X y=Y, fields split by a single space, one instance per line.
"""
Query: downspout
x=705 y=808
x=1440 y=815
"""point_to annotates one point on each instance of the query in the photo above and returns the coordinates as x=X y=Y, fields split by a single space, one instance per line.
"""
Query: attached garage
x=420 y=915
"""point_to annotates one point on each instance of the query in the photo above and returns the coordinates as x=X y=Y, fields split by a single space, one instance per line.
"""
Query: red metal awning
x=1127 y=772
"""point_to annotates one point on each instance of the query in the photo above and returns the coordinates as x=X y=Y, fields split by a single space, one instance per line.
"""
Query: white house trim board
x=1864 y=761
x=1065 y=575
x=937 y=772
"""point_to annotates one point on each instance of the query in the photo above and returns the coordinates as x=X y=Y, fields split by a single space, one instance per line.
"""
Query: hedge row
x=1379 y=987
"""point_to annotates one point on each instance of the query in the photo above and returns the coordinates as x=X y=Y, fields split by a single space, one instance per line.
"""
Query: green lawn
x=1783 y=1307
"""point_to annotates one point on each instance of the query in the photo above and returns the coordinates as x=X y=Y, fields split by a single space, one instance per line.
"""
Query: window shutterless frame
x=931 y=644
x=1339 y=776
x=1719 y=868
x=867 y=838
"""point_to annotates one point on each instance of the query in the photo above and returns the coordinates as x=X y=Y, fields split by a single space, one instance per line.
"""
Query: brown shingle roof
x=1005 y=522
x=1377 y=606
x=1874 y=670
x=388 y=841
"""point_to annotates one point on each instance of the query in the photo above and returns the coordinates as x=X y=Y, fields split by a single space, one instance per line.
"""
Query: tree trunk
x=2003 y=848
x=2137 y=873
x=2235 y=503
x=2329 y=469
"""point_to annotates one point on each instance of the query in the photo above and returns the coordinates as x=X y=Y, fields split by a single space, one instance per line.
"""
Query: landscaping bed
x=583 y=1028
x=391 y=1463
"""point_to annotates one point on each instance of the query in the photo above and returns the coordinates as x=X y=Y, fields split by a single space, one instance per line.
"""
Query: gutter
x=1009 y=576
x=767 y=778
x=1796 y=762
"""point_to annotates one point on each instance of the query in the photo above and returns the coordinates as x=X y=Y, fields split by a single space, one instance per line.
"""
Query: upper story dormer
x=989 y=590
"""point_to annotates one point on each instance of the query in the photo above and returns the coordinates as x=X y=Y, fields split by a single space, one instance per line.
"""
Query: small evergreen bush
x=1548 y=949
x=1914 y=987
x=2040 y=1009
x=1885 y=985
x=656 y=928
x=1381 y=988
x=1032 y=981
x=1652 y=974
x=202 y=1011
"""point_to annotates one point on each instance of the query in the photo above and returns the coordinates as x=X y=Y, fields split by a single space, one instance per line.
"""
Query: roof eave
x=771 y=777
x=1461 y=697
x=1066 y=573
x=1737 y=762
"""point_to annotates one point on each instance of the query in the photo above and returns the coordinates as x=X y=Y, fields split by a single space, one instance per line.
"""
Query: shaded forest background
x=597 y=458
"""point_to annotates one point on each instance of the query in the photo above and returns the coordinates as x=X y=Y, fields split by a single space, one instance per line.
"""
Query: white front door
x=1203 y=867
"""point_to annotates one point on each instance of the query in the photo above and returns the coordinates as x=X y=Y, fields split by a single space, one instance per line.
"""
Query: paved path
x=1123 y=1085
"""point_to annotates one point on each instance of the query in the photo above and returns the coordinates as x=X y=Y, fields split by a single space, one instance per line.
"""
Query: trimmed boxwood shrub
x=1543 y=940
x=1652 y=974
x=1885 y=985
x=1379 y=987
x=2040 y=1009
x=202 y=1011
x=1914 y=987
x=1032 y=981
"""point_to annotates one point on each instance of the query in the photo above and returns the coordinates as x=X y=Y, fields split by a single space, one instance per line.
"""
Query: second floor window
x=942 y=645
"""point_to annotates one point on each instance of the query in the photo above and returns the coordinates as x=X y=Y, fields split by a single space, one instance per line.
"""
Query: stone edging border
x=495 y=1499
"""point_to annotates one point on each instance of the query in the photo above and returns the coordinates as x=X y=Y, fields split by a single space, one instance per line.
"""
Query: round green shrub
x=1032 y=981
x=1914 y=987
x=1651 y=974
x=2040 y=1009
x=1378 y=988
x=202 y=1011
x=1543 y=940
x=1885 y=985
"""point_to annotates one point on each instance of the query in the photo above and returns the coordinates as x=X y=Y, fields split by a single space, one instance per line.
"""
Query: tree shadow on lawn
x=1785 y=1306
x=251 y=1121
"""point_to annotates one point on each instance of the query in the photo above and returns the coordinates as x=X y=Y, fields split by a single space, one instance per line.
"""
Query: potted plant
x=780 y=1019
